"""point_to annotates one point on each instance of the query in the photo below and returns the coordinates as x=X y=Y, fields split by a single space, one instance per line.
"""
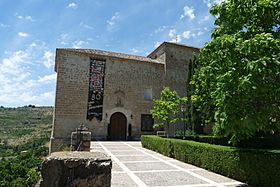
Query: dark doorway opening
x=117 y=127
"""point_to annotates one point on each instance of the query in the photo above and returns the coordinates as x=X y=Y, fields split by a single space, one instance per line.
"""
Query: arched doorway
x=117 y=127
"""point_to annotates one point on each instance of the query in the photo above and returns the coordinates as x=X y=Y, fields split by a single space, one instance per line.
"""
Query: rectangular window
x=148 y=94
x=147 y=122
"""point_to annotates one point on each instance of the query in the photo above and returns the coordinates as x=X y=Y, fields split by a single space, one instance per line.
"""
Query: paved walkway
x=137 y=166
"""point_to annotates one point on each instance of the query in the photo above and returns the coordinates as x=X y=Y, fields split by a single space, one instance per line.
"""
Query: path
x=137 y=166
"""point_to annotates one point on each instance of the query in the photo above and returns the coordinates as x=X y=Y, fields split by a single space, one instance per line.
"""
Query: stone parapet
x=76 y=169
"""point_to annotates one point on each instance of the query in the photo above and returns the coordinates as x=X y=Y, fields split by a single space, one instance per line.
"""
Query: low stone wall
x=76 y=169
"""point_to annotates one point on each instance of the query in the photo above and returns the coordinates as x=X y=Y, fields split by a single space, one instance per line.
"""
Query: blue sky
x=31 y=30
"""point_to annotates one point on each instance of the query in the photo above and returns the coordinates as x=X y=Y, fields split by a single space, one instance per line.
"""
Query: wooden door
x=117 y=127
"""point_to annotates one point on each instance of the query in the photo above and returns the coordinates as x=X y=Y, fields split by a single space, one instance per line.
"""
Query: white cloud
x=26 y=98
x=174 y=37
x=156 y=44
x=72 y=5
x=199 y=33
x=191 y=34
x=4 y=25
x=79 y=44
x=14 y=70
x=160 y=29
x=188 y=12
x=29 y=18
x=19 y=83
x=172 y=33
x=134 y=50
x=25 y=18
x=47 y=78
x=210 y=3
x=186 y=34
x=113 y=19
x=48 y=59
x=218 y=1
x=23 y=34
x=206 y=18
x=206 y=29
x=86 y=25
x=63 y=39
x=13 y=64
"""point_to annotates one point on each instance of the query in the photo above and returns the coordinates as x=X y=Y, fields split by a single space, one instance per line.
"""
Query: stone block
x=84 y=137
x=76 y=169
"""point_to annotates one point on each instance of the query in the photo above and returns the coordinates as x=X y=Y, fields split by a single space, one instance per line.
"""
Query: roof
x=110 y=54
x=101 y=53
x=164 y=44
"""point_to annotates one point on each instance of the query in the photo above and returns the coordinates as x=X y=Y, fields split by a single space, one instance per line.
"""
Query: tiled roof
x=110 y=54
x=162 y=45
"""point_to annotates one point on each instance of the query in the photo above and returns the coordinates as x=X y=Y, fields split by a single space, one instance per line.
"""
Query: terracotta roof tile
x=111 y=54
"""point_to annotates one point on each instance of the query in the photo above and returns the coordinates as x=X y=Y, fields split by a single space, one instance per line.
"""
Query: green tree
x=238 y=84
x=166 y=109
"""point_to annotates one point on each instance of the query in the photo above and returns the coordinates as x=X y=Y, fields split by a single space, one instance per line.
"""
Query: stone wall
x=177 y=62
x=71 y=97
x=125 y=82
x=176 y=58
x=126 y=79
x=80 y=169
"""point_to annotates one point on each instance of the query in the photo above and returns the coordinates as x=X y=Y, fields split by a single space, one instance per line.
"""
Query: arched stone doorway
x=117 y=127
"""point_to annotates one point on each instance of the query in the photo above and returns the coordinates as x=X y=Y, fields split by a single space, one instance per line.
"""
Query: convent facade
x=112 y=93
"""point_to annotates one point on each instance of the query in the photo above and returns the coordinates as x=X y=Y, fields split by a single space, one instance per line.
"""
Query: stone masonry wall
x=125 y=82
x=71 y=97
x=177 y=62
x=126 y=79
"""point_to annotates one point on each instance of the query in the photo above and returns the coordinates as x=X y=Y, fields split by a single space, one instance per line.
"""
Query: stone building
x=112 y=93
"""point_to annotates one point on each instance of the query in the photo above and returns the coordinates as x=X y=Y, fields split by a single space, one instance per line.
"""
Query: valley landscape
x=24 y=140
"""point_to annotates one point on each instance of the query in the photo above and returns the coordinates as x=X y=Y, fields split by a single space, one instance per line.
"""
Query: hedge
x=255 y=167
x=266 y=142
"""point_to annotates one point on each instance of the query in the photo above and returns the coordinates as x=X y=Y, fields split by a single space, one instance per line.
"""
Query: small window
x=148 y=94
x=147 y=122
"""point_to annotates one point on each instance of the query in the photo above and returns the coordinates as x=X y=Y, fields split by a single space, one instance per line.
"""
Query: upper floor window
x=148 y=94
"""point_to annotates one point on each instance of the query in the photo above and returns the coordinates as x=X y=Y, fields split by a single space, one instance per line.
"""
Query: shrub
x=266 y=142
x=162 y=145
x=256 y=167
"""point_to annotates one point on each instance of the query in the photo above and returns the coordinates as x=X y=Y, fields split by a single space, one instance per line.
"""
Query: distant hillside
x=18 y=125
x=24 y=137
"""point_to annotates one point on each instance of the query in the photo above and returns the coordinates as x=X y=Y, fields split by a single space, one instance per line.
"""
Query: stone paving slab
x=135 y=158
x=137 y=166
x=169 y=178
x=146 y=166
x=122 y=179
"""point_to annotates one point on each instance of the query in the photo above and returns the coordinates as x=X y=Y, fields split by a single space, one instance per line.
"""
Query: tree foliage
x=166 y=108
x=23 y=169
x=238 y=84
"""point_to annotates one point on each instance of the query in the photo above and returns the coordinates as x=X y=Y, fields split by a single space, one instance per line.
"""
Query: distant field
x=18 y=125
x=24 y=137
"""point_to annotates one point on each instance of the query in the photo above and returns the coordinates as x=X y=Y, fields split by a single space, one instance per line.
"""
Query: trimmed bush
x=266 y=142
x=255 y=167
x=162 y=145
